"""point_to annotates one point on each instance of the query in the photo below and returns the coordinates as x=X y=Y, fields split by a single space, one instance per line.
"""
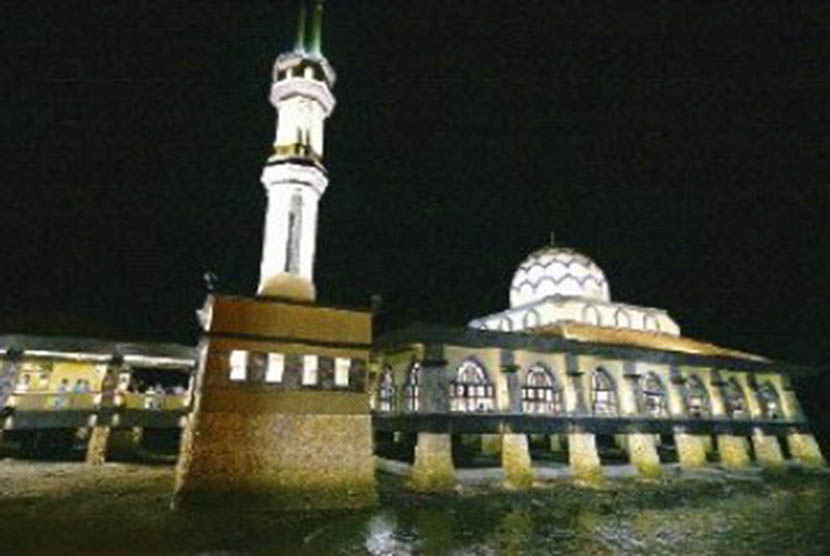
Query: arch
x=505 y=324
x=541 y=393
x=622 y=319
x=386 y=390
x=733 y=399
x=697 y=398
x=603 y=393
x=770 y=401
x=531 y=319
x=412 y=390
x=653 y=398
x=471 y=390
x=651 y=323
x=590 y=315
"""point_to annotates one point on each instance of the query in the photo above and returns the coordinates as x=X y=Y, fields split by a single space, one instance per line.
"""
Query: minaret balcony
x=301 y=86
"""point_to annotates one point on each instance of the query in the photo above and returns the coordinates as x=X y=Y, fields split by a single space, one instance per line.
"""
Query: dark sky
x=683 y=147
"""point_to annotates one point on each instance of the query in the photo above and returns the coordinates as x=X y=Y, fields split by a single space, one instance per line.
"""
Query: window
x=650 y=323
x=309 y=370
x=590 y=315
x=386 y=391
x=341 y=371
x=622 y=320
x=540 y=394
x=653 y=396
x=697 y=399
x=239 y=365
x=603 y=393
x=292 y=246
x=471 y=391
x=276 y=367
x=411 y=390
x=770 y=403
x=733 y=398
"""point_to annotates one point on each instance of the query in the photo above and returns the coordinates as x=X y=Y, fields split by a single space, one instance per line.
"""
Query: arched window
x=653 y=396
x=531 y=319
x=603 y=393
x=770 y=402
x=541 y=394
x=733 y=399
x=621 y=319
x=471 y=391
x=505 y=325
x=412 y=392
x=697 y=399
x=650 y=323
x=386 y=390
x=590 y=315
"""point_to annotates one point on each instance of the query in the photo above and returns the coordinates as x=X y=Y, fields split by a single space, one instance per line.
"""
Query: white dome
x=554 y=270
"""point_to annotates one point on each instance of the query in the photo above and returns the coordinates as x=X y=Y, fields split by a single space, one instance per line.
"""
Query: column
x=96 y=448
x=642 y=453
x=515 y=461
x=804 y=449
x=433 y=469
x=766 y=447
x=583 y=457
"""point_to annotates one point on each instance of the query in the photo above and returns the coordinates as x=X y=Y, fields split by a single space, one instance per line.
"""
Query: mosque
x=290 y=397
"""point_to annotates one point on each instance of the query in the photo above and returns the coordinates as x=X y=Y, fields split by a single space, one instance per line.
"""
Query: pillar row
x=433 y=470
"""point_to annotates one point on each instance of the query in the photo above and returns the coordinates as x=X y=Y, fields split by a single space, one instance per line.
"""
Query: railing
x=53 y=401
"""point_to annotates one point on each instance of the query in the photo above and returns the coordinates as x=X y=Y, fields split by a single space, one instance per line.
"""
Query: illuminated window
x=650 y=323
x=292 y=246
x=276 y=367
x=697 y=399
x=603 y=393
x=541 y=394
x=411 y=388
x=239 y=365
x=341 y=371
x=386 y=391
x=733 y=398
x=471 y=391
x=622 y=319
x=770 y=402
x=653 y=396
x=309 y=370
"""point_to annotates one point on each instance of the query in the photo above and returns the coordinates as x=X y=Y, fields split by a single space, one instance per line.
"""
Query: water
x=123 y=509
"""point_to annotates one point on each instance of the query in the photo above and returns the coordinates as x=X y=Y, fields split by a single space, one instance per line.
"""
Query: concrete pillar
x=621 y=442
x=433 y=469
x=767 y=450
x=96 y=448
x=805 y=450
x=556 y=443
x=583 y=457
x=690 y=449
x=515 y=461
x=643 y=454
x=733 y=450
x=491 y=444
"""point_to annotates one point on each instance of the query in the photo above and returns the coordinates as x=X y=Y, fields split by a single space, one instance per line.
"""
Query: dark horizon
x=682 y=148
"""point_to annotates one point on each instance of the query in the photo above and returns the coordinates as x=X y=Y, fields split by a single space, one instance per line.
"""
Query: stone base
x=583 y=457
x=96 y=447
x=282 y=461
x=805 y=450
x=643 y=454
x=767 y=450
x=515 y=461
x=433 y=470
x=691 y=449
x=491 y=444
x=733 y=450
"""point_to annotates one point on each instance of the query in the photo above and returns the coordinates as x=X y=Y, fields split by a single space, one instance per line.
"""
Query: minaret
x=294 y=176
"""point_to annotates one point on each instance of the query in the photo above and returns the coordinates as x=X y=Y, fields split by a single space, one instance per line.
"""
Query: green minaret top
x=316 y=48
x=313 y=44
x=299 y=44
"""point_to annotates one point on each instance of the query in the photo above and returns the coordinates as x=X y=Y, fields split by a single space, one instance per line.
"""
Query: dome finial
x=316 y=48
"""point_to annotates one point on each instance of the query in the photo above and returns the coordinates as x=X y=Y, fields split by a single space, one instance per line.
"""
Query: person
x=23 y=386
x=61 y=400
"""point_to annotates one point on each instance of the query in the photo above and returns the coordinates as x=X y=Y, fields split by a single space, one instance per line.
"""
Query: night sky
x=683 y=147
